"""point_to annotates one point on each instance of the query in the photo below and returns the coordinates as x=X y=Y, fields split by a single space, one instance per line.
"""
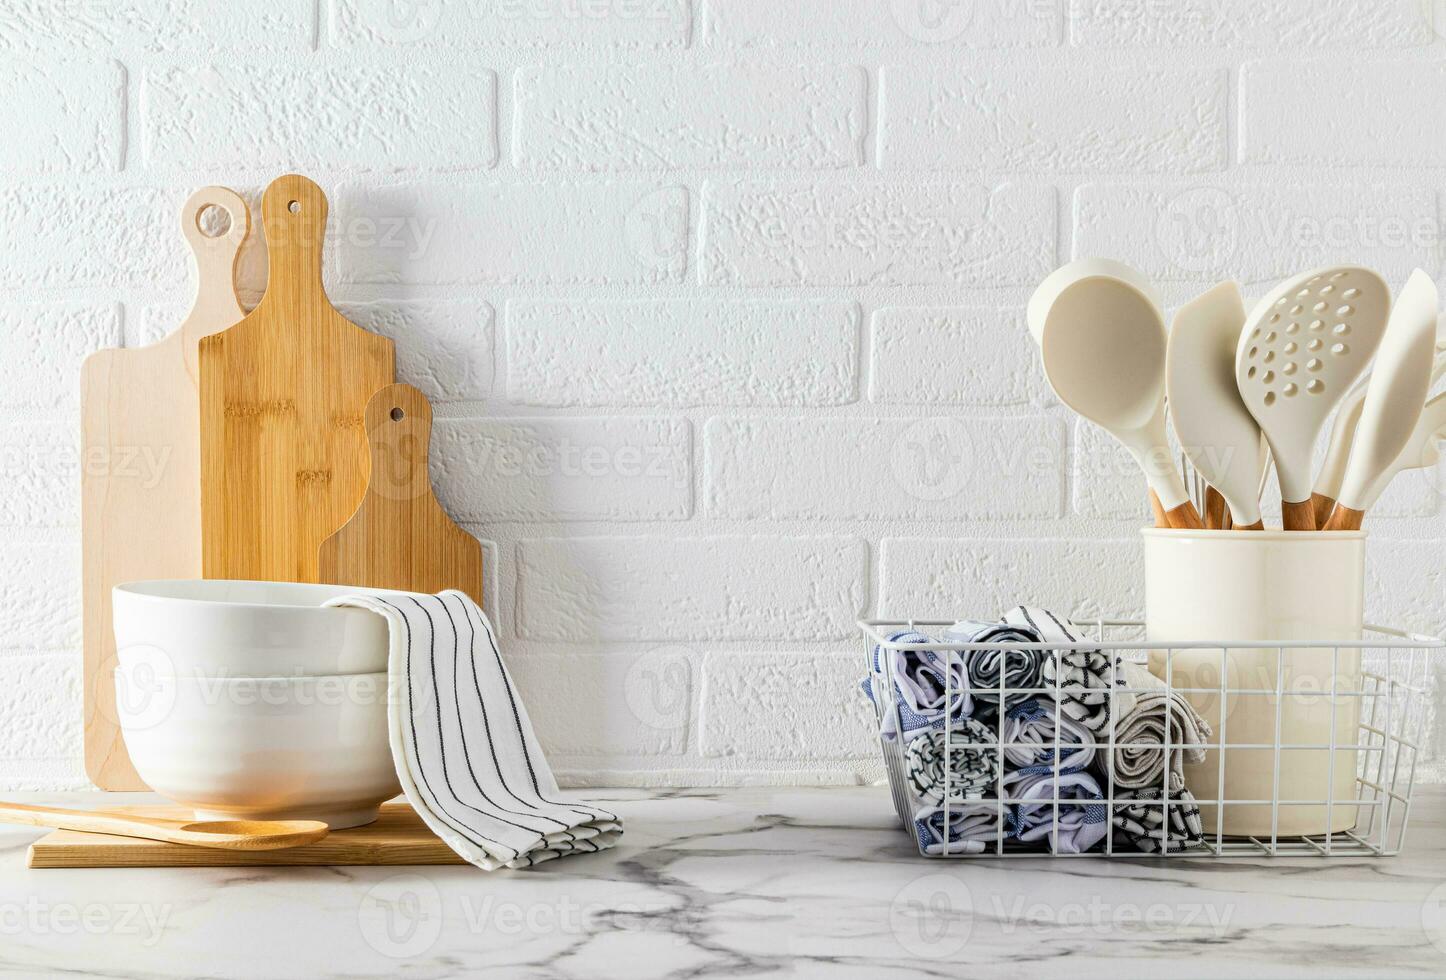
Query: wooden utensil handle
x=1298 y=515
x=1344 y=518
x=86 y=822
x=1158 y=509
x=1322 y=506
x=1185 y=518
x=1215 y=509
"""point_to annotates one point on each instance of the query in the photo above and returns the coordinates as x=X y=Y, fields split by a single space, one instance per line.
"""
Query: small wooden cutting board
x=140 y=479
x=284 y=456
x=398 y=837
x=400 y=537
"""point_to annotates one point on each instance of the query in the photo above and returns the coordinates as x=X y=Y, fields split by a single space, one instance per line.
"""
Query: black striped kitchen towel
x=465 y=751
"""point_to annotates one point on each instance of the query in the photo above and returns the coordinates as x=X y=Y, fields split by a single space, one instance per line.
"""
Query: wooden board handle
x=399 y=433
x=293 y=214
x=215 y=304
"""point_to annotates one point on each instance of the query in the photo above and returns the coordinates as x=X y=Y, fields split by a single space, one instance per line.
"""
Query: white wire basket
x=1355 y=782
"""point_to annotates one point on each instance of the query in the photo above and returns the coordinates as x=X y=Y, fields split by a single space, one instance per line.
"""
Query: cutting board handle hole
x=397 y=414
x=294 y=207
x=213 y=221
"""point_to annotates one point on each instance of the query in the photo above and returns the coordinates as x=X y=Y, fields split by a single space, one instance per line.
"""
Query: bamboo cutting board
x=400 y=537
x=140 y=497
x=398 y=837
x=283 y=446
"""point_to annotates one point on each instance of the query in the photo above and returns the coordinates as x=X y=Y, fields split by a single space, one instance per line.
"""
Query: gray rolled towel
x=1142 y=715
x=963 y=765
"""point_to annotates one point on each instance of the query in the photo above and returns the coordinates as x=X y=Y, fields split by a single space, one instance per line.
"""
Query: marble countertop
x=741 y=883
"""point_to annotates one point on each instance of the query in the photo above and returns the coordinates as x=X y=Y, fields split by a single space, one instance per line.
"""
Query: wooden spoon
x=235 y=835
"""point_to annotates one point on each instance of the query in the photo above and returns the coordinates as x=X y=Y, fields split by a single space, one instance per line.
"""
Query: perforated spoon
x=1103 y=342
x=236 y=835
x=1212 y=424
x=1304 y=345
x=1399 y=387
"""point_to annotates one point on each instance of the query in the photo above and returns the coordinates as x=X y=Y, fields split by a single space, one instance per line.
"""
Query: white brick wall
x=719 y=303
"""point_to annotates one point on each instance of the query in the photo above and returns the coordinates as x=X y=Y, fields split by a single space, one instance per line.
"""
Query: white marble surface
x=741 y=883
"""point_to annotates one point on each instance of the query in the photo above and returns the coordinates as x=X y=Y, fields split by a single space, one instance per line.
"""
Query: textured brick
x=610 y=704
x=192 y=26
x=39 y=475
x=519 y=469
x=801 y=706
x=898 y=468
x=74 y=235
x=444 y=347
x=941 y=578
x=1107 y=481
x=510 y=24
x=39 y=598
x=1052 y=119
x=689 y=116
x=71 y=115
x=599 y=233
x=807 y=234
x=1328 y=114
x=1236 y=24
x=42 y=346
x=954 y=356
x=40 y=707
x=681 y=353
x=229 y=116
x=871 y=23
x=663 y=589
x=1206 y=231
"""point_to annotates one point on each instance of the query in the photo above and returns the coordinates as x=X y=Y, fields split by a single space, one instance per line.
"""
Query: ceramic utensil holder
x=1264 y=587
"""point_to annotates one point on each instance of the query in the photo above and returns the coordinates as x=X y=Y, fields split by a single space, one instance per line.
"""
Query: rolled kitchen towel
x=919 y=680
x=1084 y=678
x=967 y=769
x=1083 y=819
x=464 y=748
x=1140 y=820
x=1020 y=669
x=1137 y=760
x=1029 y=732
x=973 y=828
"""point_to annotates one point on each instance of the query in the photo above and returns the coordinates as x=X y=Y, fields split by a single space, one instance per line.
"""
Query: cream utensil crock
x=1262 y=587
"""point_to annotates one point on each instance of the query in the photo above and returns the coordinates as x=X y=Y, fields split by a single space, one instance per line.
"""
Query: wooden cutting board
x=398 y=837
x=400 y=537
x=140 y=482
x=283 y=446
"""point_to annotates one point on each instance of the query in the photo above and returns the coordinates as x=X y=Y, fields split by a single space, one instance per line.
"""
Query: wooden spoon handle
x=1298 y=515
x=1158 y=509
x=1185 y=518
x=86 y=821
x=1215 y=509
x=1322 y=505
x=1343 y=518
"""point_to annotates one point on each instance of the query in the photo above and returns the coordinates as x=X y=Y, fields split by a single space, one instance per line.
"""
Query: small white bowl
x=218 y=628
x=261 y=748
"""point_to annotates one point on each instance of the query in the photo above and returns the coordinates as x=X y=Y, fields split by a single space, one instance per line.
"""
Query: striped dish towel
x=465 y=752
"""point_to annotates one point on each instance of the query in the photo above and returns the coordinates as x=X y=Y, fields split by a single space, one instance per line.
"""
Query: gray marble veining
x=742 y=883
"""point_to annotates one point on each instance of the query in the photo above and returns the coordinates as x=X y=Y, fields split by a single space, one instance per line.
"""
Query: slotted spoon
x=1399 y=387
x=1303 y=346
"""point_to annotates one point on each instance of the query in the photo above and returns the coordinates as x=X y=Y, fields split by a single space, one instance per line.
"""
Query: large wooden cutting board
x=399 y=837
x=283 y=393
x=140 y=478
x=400 y=537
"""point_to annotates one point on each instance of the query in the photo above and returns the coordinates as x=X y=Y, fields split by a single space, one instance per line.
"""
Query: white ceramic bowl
x=261 y=748
x=218 y=628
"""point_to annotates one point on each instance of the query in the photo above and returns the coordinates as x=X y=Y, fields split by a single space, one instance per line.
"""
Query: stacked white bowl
x=252 y=700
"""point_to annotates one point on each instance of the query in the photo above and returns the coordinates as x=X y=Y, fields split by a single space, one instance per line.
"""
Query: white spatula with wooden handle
x=1399 y=387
